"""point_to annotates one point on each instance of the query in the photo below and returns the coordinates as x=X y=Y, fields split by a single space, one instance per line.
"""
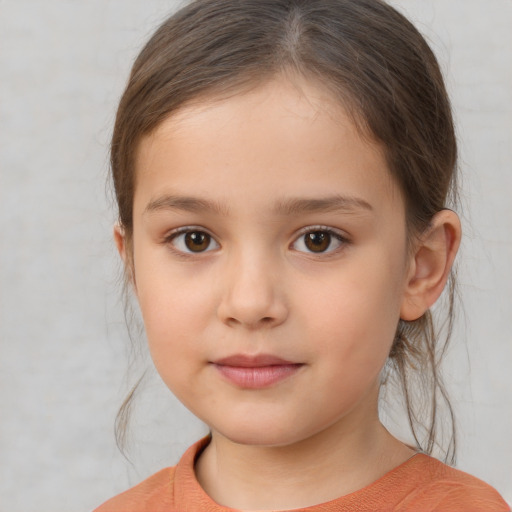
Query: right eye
x=193 y=241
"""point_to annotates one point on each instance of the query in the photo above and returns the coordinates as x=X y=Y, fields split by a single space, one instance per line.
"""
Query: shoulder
x=439 y=487
x=169 y=490
x=155 y=494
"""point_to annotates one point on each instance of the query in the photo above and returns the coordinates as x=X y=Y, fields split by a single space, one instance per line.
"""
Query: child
x=282 y=170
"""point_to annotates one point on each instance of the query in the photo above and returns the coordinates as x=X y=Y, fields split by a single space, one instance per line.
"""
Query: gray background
x=63 y=345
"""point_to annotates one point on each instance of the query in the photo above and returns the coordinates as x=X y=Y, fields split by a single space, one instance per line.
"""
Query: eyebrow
x=187 y=204
x=287 y=207
x=333 y=203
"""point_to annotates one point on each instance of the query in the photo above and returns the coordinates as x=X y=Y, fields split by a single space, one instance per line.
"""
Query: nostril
x=265 y=321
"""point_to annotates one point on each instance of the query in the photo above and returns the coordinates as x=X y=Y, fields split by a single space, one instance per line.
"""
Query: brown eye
x=197 y=241
x=193 y=241
x=317 y=241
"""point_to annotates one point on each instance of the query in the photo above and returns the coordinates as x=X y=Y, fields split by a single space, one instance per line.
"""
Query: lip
x=255 y=372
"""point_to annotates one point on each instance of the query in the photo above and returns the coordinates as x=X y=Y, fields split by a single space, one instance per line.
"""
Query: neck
x=323 y=467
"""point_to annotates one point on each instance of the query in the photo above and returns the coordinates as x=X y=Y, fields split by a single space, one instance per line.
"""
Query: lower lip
x=257 y=377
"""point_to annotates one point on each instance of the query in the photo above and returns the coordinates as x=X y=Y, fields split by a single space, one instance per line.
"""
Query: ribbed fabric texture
x=420 y=484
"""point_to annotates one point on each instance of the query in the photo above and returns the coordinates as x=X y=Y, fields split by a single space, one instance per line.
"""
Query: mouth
x=255 y=372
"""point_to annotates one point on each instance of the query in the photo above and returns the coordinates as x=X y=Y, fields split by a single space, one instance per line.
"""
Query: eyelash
x=171 y=238
x=332 y=233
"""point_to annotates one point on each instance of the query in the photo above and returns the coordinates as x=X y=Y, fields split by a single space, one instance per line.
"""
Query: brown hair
x=381 y=69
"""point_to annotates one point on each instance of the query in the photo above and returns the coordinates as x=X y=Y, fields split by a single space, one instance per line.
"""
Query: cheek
x=169 y=295
x=173 y=331
x=176 y=311
x=356 y=314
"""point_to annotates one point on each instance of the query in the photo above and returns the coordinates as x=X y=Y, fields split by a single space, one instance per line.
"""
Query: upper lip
x=248 y=361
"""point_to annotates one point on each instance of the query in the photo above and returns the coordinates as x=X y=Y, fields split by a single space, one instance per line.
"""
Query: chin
x=259 y=439
x=257 y=434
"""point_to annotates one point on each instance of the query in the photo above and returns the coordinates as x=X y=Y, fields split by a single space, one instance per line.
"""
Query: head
x=370 y=64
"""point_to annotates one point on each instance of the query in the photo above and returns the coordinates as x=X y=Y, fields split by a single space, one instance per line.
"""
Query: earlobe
x=431 y=263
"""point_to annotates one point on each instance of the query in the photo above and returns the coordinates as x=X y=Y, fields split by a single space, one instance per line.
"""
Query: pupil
x=318 y=241
x=197 y=241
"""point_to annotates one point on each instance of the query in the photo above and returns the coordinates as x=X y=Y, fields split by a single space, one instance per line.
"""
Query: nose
x=253 y=295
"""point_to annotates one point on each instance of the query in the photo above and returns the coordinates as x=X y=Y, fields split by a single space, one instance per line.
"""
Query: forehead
x=285 y=136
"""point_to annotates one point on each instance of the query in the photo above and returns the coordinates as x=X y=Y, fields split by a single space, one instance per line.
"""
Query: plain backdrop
x=63 y=345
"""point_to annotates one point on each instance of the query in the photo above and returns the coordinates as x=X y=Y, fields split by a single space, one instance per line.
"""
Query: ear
x=119 y=239
x=430 y=264
x=124 y=250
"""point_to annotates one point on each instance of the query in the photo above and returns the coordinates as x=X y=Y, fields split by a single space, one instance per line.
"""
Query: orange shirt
x=420 y=484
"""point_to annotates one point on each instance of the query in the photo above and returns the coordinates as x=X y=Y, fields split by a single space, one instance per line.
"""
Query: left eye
x=318 y=241
x=193 y=241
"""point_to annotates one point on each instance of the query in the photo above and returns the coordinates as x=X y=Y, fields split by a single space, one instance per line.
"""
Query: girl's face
x=270 y=263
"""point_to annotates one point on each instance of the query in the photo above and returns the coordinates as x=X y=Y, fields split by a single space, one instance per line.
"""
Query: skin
x=244 y=170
